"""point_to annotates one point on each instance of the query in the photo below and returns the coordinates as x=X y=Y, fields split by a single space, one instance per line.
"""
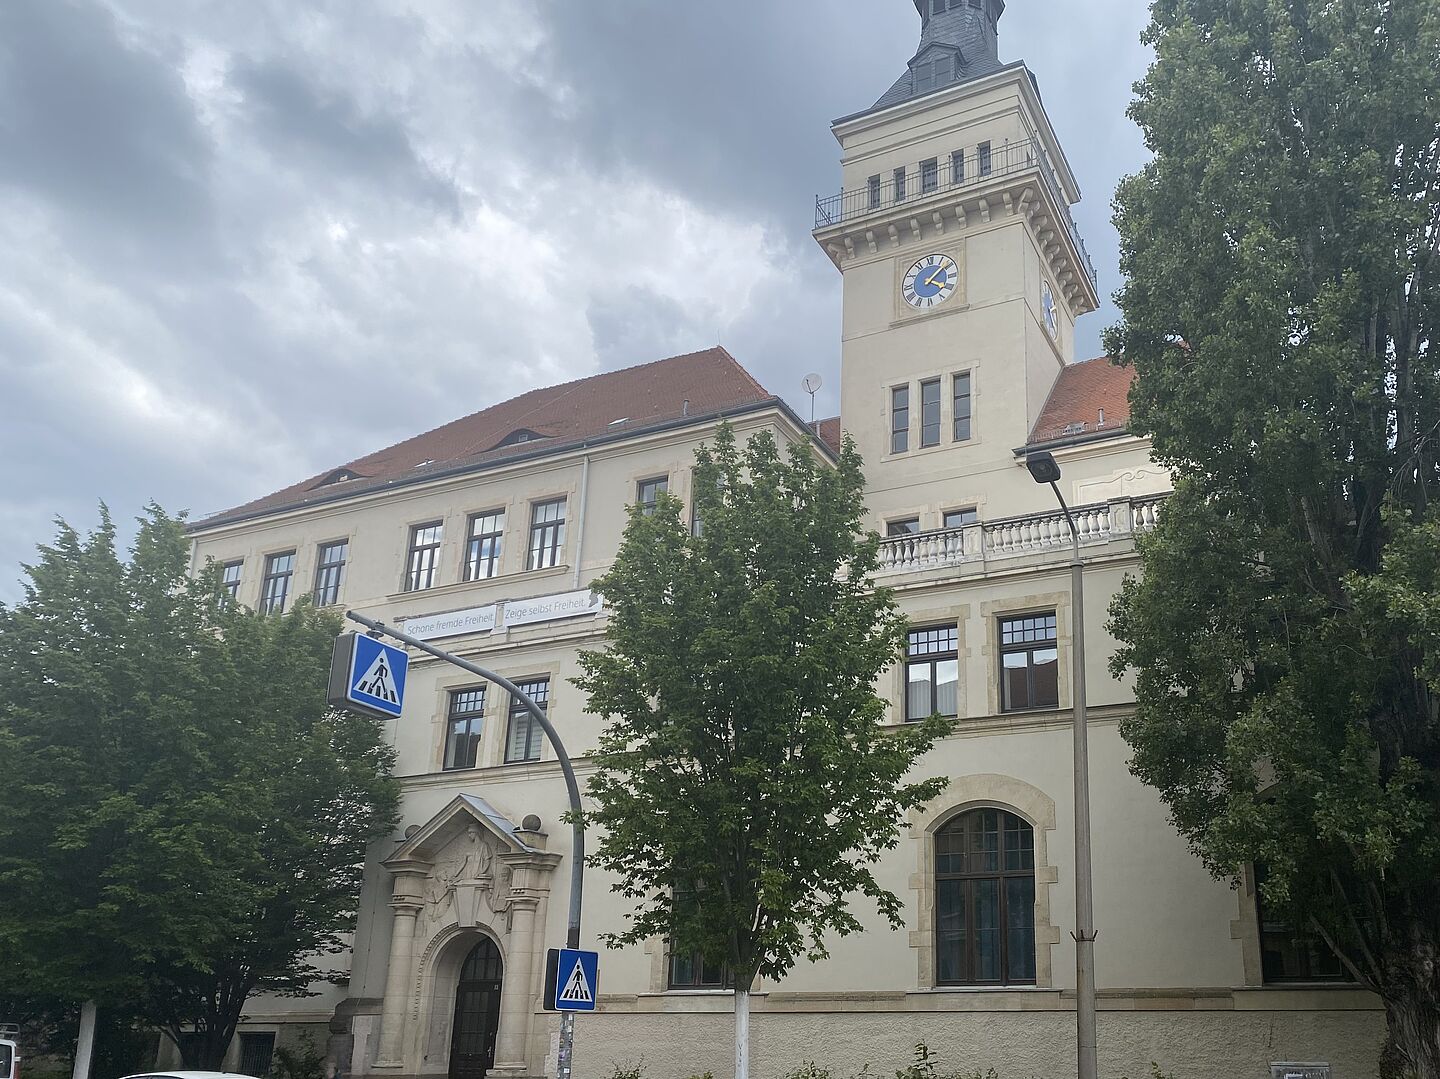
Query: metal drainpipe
x=580 y=531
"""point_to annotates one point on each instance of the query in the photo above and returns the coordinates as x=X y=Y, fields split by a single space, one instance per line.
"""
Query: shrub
x=811 y=1070
x=628 y=1071
x=299 y=1061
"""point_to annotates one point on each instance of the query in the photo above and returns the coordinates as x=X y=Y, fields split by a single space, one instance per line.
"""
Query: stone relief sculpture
x=456 y=883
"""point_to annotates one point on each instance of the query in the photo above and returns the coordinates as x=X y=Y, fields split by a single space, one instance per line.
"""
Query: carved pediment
x=463 y=855
x=454 y=822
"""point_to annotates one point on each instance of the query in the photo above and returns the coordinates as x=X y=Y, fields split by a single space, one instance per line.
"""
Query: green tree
x=746 y=783
x=183 y=820
x=1281 y=261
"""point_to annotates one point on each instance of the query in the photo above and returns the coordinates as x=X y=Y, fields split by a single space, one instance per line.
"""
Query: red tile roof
x=698 y=384
x=1084 y=393
x=830 y=432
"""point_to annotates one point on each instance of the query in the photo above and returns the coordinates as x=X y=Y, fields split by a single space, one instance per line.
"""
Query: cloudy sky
x=244 y=240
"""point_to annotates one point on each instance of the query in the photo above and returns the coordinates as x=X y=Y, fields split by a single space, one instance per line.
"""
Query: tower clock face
x=931 y=282
x=1047 y=304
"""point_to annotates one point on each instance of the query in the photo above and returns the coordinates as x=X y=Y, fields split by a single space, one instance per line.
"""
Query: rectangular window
x=957 y=167
x=962 y=517
x=930 y=413
x=937 y=6
x=1287 y=954
x=230 y=580
x=900 y=185
x=982 y=153
x=963 y=406
x=900 y=419
x=485 y=545
x=932 y=668
x=256 y=1049
x=929 y=175
x=908 y=527
x=648 y=493
x=872 y=190
x=275 y=588
x=462 y=737
x=330 y=571
x=688 y=970
x=523 y=738
x=423 y=563
x=1029 y=663
x=924 y=78
x=547 y=533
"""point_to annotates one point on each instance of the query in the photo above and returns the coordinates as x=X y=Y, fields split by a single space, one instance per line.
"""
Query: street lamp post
x=1045 y=470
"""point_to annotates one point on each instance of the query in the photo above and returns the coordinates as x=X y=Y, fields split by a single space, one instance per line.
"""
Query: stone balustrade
x=1119 y=519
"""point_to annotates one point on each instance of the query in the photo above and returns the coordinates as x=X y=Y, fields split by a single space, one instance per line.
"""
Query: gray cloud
x=323 y=134
x=240 y=243
x=101 y=134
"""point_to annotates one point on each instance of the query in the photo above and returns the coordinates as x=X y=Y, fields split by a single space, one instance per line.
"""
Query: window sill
x=976 y=989
x=1282 y=987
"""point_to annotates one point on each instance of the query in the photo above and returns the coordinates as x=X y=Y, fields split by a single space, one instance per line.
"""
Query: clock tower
x=963 y=272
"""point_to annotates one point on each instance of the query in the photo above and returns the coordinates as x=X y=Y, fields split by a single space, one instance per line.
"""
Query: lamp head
x=1043 y=467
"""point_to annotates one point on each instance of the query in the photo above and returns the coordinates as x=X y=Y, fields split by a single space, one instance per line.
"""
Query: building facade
x=963 y=275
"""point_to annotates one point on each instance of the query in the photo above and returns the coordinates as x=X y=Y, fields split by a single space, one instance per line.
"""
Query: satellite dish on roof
x=812 y=384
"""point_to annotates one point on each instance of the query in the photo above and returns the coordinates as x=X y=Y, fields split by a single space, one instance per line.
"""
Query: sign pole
x=572 y=786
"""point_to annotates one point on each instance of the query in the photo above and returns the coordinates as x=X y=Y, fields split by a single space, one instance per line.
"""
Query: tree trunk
x=1415 y=1033
x=742 y=1033
x=205 y=1052
x=85 y=1047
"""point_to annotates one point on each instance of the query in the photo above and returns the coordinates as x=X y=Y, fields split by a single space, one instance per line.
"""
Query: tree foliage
x=183 y=819
x=1281 y=254
x=746 y=783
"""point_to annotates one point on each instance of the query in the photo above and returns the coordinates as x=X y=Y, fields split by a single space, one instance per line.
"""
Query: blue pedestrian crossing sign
x=572 y=980
x=368 y=676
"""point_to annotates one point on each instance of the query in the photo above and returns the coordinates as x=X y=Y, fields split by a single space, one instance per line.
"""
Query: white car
x=9 y=1060
x=183 y=1075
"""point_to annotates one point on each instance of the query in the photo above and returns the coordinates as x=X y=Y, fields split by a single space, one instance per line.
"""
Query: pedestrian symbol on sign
x=577 y=988
x=572 y=980
x=376 y=682
x=368 y=677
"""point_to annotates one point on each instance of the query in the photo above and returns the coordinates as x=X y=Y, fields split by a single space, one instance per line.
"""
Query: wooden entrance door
x=477 y=1013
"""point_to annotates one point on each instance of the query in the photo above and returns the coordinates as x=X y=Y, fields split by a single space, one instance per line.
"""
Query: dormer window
x=519 y=438
x=340 y=475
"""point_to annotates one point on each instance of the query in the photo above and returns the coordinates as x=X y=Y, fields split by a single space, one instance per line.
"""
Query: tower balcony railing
x=975 y=546
x=936 y=176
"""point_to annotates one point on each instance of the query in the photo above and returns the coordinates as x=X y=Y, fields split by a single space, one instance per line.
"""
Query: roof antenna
x=812 y=384
x=685 y=408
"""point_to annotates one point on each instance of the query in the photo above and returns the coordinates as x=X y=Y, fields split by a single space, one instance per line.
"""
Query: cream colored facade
x=1178 y=955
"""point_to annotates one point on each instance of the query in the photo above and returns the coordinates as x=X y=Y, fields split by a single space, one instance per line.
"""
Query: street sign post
x=572 y=980
x=572 y=789
x=368 y=676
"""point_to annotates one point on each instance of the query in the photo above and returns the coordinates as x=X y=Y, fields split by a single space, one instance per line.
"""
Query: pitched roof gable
x=1089 y=398
x=697 y=384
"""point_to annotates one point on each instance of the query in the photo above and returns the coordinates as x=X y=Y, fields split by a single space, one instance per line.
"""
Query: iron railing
x=973 y=166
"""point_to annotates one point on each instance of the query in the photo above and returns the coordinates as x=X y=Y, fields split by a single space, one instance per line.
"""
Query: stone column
x=529 y=884
x=517 y=998
x=407 y=901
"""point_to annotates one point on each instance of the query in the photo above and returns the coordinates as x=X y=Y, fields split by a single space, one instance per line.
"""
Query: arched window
x=985 y=900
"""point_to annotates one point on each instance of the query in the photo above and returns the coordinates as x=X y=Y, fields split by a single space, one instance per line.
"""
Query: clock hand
x=934 y=274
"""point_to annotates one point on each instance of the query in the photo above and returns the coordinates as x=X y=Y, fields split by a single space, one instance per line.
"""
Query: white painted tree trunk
x=742 y=1033
x=85 y=1048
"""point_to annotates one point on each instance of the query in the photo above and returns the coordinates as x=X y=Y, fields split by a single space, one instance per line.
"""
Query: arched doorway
x=477 y=1013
